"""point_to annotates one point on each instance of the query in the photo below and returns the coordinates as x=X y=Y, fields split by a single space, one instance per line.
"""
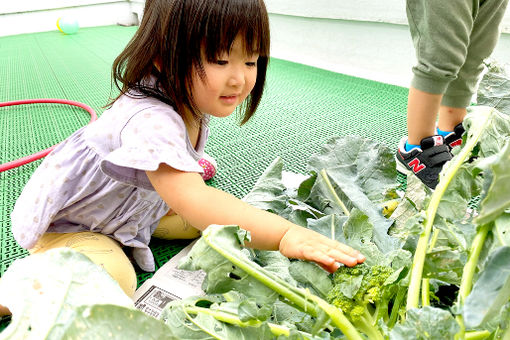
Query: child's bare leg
x=449 y=117
x=422 y=110
x=173 y=227
x=100 y=249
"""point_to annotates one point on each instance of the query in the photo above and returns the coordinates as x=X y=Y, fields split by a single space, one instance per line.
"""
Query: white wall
x=388 y=11
x=363 y=38
x=28 y=16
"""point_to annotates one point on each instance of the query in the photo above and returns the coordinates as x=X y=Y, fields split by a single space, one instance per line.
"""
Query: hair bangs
x=232 y=18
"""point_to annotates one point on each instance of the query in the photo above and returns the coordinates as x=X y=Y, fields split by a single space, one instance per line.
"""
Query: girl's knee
x=173 y=227
x=100 y=249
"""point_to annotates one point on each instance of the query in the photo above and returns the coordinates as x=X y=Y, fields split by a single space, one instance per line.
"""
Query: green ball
x=68 y=25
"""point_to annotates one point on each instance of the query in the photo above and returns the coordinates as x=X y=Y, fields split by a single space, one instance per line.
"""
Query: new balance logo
x=416 y=166
x=456 y=142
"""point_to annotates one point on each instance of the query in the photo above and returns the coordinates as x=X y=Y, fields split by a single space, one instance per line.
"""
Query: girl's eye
x=251 y=64
x=221 y=62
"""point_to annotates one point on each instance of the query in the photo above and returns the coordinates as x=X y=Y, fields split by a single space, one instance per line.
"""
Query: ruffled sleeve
x=151 y=137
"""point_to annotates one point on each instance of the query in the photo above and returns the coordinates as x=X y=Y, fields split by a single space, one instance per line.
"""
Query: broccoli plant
x=428 y=242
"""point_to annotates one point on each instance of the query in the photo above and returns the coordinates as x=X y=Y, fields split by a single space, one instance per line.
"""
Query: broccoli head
x=361 y=294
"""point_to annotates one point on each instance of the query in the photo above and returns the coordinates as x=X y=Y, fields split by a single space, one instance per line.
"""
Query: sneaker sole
x=401 y=168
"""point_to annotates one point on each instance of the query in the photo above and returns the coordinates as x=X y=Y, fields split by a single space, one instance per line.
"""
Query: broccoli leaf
x=426 y=323
x=43 y=291
x=491 y=291
x=116 y=323
x=189 y=322
x=354 y=158
x=465 y=185
x=344 y=187
x=222 y=274
x=310 y=275
x=492 y=126
x=269 y=191
x=445 y=264
x=494 y=89
x=330 y=226
x=497 y=196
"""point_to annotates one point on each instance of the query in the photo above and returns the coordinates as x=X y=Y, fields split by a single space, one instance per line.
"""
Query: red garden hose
x=41 y=154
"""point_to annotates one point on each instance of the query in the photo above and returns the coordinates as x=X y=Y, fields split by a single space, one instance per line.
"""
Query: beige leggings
x=108 y=253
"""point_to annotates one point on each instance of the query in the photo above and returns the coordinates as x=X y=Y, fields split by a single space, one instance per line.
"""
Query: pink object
x=43 y=153
x=209 y=165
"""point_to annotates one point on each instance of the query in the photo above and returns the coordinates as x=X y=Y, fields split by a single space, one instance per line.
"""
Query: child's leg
x=100 y=249
x=483 y=39
x=421 y=114
x=173 y=227
x=449 y=117
x=440 y=41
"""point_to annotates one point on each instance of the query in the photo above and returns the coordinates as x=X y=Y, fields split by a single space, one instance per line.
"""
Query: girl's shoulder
x=131 y=104
x=131 y=109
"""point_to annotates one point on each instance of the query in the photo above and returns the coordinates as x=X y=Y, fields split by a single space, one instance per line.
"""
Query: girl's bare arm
x=202 y=205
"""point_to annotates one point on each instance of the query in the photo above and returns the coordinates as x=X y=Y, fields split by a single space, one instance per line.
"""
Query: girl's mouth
x=229 y=99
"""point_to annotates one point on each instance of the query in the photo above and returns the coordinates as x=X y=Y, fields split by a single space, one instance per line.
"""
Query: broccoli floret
x=362 y=296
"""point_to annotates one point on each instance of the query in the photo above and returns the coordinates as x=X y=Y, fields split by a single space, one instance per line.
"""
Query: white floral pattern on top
x=95 y=180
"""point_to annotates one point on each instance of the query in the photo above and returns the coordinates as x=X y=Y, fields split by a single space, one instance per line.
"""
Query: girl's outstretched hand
x=306 y=244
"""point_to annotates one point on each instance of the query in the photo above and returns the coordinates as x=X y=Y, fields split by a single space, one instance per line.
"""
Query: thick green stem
x=425 y=292
x=396 y=307
x=470 y=267
x=477 y=335
x=413 y=296
x=232 y=319
x=370 y=331
x=468 y=273
x=425 y=284
x=324 y=175
x=338 y=318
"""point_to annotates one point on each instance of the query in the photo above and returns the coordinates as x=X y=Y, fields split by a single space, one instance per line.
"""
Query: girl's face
x=229 y=80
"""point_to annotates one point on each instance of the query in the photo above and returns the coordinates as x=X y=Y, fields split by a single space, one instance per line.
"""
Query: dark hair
x=173 y=32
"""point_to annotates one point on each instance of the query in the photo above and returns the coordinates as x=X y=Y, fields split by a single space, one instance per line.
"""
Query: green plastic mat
x=301 y=109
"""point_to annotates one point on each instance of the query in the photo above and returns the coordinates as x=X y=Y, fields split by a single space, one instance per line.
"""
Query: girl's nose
x=237 y=77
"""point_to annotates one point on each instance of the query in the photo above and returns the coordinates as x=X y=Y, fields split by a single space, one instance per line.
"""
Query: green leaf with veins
x=310 y=275
x=268 y=192
x=43 y=291
x=116 y=323
x=222 y=274
x=426 y=323
x=497 y=199
x=367 y=164
x=491 y=291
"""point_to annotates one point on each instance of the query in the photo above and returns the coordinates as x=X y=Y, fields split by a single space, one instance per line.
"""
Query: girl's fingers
x=327 y=258
x=343 y=248
x=315 y=254
x=331 y=268
x=342 y=256
x=341 y=253
x=308 y=245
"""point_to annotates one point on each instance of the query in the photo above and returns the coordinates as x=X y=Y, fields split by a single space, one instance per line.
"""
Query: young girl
x=110 y=183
